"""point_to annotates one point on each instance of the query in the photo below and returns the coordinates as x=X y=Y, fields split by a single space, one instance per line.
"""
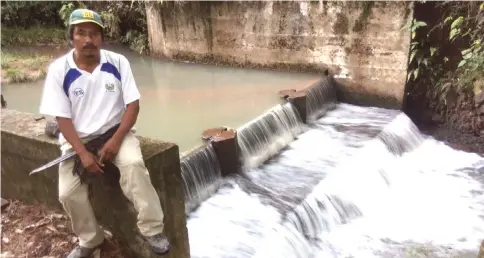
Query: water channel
x=180 y=100
x=356 y=182
x=353 y=182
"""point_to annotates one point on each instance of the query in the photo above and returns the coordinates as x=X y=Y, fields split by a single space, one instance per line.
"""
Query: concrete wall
x=25 y=147
x=360 y=42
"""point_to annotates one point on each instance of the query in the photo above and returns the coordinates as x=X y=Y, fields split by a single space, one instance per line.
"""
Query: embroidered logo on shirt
x=109 y=87
x=78 y=92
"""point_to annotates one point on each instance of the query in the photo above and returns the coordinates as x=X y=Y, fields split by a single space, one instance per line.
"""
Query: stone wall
x=362 y=43
x=25 y=147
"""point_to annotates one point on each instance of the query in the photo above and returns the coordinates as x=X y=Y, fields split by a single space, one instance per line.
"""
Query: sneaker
x=159 y=244
x=82 y=252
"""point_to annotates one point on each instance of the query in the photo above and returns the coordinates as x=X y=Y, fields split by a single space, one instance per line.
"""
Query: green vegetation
x=433 y=58
x=125 y=22
x=32 y=36
x=22 y=67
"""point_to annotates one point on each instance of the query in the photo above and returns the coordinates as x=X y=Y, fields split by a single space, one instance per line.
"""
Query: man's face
x=87 y=39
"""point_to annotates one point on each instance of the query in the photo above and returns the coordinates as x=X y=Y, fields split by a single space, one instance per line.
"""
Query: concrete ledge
x=225 y=144
x=25 y=147
x=358 y=94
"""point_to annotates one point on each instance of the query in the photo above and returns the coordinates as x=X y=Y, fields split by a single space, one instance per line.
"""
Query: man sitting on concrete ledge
x=89 y=91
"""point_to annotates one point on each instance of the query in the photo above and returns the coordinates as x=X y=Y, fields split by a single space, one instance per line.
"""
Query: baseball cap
x=85 y=15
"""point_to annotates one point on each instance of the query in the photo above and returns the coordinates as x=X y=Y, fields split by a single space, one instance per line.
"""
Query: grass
x=32 y=36
x=28 y=66
x=24 y=67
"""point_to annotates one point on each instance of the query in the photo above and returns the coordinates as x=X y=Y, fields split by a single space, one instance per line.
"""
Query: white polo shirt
x=95 y=102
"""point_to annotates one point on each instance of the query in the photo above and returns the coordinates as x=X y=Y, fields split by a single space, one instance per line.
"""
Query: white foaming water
x=365 y=201
x=229 y=224
x=432 y=207
x=201 y=176
x=266 y=135
x=321 y=98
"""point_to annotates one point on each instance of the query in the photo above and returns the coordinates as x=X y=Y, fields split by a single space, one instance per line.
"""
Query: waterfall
x=312 y=190
x=267 y=134
x=342 y=196
x=401 y=135
x=201 y=176
x=321 y=98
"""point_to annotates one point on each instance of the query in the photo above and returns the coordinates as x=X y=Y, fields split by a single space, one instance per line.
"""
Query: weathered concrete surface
x=362 y=43
x=224 y=143
x=25 y=147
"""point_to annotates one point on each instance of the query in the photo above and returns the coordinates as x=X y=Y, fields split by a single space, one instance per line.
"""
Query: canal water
x=356 y=182
x=353 y=182
x=180 y=100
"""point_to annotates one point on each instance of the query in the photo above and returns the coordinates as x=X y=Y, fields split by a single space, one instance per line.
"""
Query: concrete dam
x=316 y=175
x=329 y=187
x=340 y=180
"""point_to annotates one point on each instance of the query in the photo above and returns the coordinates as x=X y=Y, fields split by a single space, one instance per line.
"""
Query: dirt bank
x=454 y=138
x=455 y=117
x=35 y=231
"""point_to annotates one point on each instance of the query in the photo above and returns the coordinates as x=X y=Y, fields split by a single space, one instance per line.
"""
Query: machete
x=54 y=162
x=92 y=145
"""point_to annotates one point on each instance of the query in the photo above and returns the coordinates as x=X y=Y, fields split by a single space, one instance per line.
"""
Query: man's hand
x=112 y=146
x=90 y=163
x=88 y=160
x=109 y=150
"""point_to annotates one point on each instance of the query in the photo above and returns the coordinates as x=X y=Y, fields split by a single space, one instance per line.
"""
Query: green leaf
x=465 y=51
x=461 y=63
x=409 y=75
x=432 y=51
x=413 y=35
x=481 y=7
x=419 y=24
x=415 y=74
x=426 y=62
x=414 y=45
x=457 y=22
x=467 y=56
x=453 y=33
x=412 y=55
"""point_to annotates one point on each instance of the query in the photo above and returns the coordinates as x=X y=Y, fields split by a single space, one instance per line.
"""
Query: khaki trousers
x=135 y=184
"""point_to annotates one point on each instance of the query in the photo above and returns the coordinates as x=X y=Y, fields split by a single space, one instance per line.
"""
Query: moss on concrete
x=210 y=59
x=341 y=25
x=362 y=21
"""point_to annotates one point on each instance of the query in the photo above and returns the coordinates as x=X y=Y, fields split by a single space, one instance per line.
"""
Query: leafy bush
x=30 y=13
x=462 y=26
x=125 y=21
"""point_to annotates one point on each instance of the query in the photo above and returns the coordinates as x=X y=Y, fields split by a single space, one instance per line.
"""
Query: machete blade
x=54 y=162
